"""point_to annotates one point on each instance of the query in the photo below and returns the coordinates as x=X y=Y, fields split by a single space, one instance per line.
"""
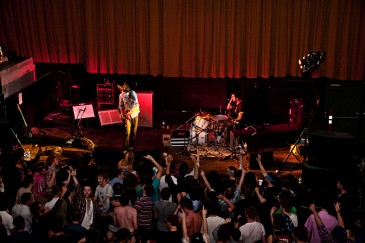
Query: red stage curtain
x=190 y=38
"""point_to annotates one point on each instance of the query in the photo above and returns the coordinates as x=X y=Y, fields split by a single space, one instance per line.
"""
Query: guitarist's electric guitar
x=27 y=130
x=127 y=114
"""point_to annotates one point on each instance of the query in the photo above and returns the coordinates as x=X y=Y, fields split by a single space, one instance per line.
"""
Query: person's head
x=87 y=191
x=109 y=236
x=251 y=212
x=214 y=209
x=148 y=190
x=56 y=224
x=124 y=235
x=124 y=88
x=120 y=173
x=57 y=190
x=183 y=168
x=250 y=179
x=288 y=181
x=165 y=193
x=229 y=193
x=40 y=168
x=231 y=171
x=234 y=96
x=271 y=178
x=27 y=181
x=236 y=234
x=172 y=220
x=19 y=222
x=124 y=199
x=37 y=208
x=224 y=233
x=52 y=161
x=102 y=178
x=26 y=198
x=186 y=204
x=343 y=183
x=76 y=215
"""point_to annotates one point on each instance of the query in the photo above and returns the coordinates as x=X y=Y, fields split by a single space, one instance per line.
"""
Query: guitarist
x=129 y=110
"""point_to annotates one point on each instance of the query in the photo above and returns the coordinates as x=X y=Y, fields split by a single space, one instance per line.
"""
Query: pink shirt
x=39 y=185
x=329 y=221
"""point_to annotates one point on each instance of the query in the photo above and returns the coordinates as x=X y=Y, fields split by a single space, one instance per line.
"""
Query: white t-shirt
x=252 y=232
x=164 y=184
x=7 y=221
x=101 y=192
x=212 y=223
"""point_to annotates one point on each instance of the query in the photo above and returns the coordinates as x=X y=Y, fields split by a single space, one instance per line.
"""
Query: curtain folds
x=190 y=38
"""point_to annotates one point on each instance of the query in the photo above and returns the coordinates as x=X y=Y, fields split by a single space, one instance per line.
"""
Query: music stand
x=82 y=111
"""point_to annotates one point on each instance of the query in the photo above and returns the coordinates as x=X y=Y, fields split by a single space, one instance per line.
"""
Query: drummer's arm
x=229 y=106
x=240 y=115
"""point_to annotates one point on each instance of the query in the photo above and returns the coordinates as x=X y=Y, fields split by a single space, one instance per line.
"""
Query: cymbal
x=202 y=113
x=208 y=116
x=220 y=118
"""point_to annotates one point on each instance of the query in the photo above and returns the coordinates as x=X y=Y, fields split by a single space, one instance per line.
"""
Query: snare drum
x=200 y=122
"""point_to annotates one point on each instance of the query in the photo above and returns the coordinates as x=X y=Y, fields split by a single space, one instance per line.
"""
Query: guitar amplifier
x=179 y=137
x=105 y=93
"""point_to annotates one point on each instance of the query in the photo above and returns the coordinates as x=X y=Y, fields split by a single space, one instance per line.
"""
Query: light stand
x=307 y=64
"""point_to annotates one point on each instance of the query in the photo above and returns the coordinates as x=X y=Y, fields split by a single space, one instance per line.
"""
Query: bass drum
x=198 y=135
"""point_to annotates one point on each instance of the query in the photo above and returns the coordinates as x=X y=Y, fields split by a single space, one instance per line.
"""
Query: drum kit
x=207 y=128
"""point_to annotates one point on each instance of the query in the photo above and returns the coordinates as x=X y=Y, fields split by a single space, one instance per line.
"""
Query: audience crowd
x=165 y=201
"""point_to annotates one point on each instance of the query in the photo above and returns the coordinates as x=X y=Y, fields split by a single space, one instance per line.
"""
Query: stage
x=59 y=130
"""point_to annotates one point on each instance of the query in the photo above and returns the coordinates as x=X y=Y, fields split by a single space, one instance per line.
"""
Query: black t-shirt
x=234 y=112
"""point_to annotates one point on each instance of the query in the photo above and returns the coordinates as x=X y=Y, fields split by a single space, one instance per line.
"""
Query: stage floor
x=57 y=130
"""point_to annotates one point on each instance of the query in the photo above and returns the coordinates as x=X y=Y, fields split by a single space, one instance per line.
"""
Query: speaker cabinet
x=145 y=100
x=331 y=150
x=108 y=117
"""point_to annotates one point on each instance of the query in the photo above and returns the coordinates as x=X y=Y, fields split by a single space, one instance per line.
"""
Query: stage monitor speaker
x=331 y=150
x=108 y=117
x=267 y=160
x=145 y=100
x=179 y=137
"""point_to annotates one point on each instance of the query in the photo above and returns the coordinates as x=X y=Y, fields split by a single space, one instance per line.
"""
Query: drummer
x=235 y=114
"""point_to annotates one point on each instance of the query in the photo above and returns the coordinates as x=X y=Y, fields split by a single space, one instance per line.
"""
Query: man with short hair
x=22 y=209
x=252 y=230
x=124 y=215
x=103 y=192
x=163 y=209
x=144 y=207
x=194 y=220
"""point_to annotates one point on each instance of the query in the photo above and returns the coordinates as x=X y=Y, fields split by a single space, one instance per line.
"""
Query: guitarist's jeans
x=130 y=132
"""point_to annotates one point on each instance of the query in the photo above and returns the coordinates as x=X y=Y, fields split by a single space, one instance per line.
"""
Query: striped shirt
x=144 y=207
